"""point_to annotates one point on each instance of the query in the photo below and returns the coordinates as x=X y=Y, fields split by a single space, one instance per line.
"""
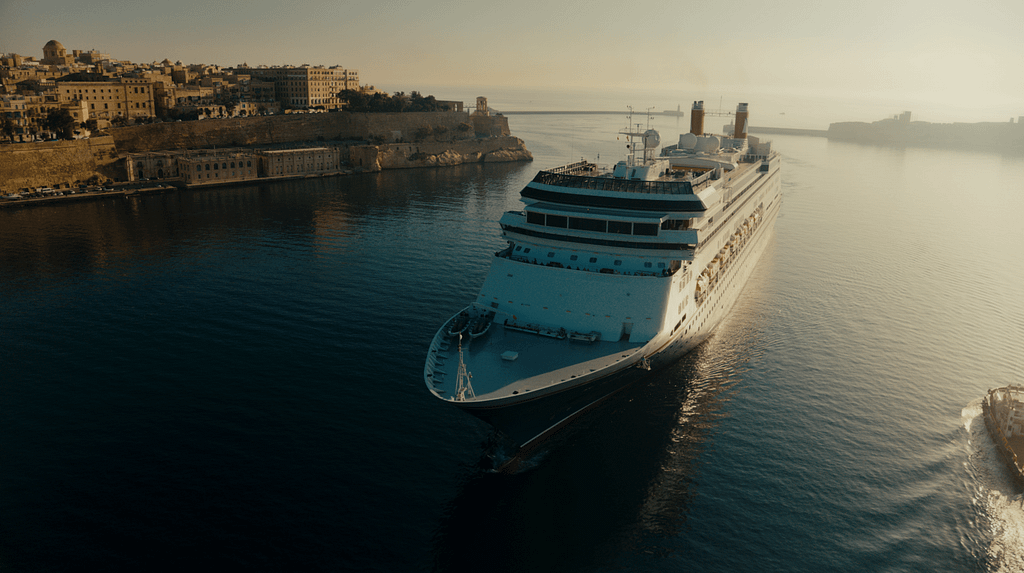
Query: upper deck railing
x=585 y=175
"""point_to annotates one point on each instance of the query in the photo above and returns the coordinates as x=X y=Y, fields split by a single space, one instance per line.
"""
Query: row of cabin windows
x=551 y=255
x=223 y=165
x=597 y=225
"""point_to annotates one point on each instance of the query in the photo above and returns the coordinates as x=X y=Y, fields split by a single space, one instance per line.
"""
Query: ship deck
x=541 y=361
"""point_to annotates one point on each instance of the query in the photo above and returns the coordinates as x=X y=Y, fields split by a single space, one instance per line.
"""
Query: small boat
x=458 y=324
x=1004 y=417
x=480 y=325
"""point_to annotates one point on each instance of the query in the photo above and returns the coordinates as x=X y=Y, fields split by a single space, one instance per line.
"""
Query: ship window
x=526 y=250
x=557 y=221
x=618 y=263
x=620 y=227
x=593 y=259
x=648 y=264
x=588 y=224
x=675 y=225
x=647 y=229
x=661 y=265
x=535 y=218
x=551 y=255
x=573 y=257
x=519 y=248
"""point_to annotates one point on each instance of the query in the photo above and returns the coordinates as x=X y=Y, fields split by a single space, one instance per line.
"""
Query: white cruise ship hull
x=608 y=275
x=527 y=418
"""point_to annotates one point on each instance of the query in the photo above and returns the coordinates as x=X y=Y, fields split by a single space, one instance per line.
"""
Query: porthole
x=618 y=263
x=574 y=257
x=551 y=255
x=593 y=259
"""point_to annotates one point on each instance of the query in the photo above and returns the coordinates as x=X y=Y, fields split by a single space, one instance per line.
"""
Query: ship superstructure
x=609 y=272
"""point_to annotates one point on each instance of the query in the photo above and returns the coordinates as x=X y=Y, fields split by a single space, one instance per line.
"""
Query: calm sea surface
x=232 y=379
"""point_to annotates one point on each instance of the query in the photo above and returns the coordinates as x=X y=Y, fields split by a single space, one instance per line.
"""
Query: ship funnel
x=741 y=121
x=697 y=118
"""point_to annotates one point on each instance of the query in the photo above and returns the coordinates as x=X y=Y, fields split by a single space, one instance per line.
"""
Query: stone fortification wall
x=436 y=154
x=490 y=125
x=397 y=140
x=280 y=129
x=53 y=163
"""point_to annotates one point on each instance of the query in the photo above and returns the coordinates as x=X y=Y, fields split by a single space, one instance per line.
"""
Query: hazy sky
x=941 y=52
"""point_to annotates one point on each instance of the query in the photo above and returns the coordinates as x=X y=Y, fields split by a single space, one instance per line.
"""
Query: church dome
x=53 y=45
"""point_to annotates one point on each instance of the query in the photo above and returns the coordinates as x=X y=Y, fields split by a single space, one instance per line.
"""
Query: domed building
x=54 y=54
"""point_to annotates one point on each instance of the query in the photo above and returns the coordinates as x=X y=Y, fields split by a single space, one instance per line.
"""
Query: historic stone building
x=302 y=161
x=308 y=87
x=54 y=54
x=122 y=97
x=202 y=167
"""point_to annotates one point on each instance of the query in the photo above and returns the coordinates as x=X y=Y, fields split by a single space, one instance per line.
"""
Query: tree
x=8 y=128
x=361 y=102
x=60 y=121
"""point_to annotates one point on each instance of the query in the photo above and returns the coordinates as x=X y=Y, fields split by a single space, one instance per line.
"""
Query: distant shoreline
x=679 y=114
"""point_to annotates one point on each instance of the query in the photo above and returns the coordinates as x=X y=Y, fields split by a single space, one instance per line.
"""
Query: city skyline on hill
x=917 y=52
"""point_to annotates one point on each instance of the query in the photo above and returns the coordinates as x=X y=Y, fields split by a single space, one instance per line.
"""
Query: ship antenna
x=462 y=380
x=631 y=146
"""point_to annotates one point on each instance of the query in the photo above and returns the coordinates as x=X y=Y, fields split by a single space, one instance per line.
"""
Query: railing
x=561 y=179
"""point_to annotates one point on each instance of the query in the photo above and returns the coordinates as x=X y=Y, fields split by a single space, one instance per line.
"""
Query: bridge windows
x=620 y=227
x=675 y=224
x=557 y=221
x=646 y=229
x=595 y=225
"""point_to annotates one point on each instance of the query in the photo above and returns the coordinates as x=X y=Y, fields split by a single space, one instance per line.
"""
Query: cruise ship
x=610 y=272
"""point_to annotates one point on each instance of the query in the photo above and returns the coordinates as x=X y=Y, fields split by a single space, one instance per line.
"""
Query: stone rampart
x=293 y=128
x=53 y=163
x=436 y=154
x=396 y=140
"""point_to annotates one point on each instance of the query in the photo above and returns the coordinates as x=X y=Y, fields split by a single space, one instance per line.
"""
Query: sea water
x=232 y=378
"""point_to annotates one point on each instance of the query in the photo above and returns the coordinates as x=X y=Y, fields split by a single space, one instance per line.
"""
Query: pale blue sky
x=944 y=53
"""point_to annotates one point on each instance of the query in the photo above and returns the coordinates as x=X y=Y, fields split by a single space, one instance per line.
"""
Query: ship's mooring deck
x=541 y=361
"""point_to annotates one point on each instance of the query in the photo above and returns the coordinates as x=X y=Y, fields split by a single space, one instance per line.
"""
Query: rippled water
x=233 y=378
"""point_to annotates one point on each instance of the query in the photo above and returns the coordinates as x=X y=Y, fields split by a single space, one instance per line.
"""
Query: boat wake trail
x=499 y=455
x=996 y=535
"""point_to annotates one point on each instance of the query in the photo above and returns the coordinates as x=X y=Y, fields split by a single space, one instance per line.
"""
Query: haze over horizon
x=913 y=54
